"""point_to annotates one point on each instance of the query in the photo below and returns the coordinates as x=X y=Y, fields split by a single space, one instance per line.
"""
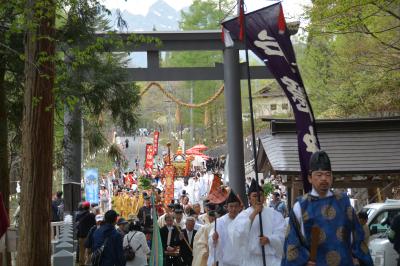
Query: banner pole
x=242 y=17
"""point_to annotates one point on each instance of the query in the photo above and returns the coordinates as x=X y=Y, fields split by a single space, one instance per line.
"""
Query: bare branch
x=390 y=12
x=367 y=31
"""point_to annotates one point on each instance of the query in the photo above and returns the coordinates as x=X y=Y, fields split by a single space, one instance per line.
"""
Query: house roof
x=356 y=146
x=271 y=90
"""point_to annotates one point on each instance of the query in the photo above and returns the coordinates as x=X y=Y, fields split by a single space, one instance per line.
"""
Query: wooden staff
x=180 y=232
x=215 y=248
x=315 y=232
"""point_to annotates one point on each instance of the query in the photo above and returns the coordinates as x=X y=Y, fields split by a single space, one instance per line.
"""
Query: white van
x=379 y=217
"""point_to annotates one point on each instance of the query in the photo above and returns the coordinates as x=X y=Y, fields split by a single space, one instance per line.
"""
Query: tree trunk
x=4 y=170
x=37 y=135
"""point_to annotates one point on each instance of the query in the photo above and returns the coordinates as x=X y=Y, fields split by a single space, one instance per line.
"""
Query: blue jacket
x=113 y=254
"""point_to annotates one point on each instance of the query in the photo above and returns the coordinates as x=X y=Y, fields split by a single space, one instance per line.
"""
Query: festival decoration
x=149 y=157
x=169 y=172
x=268 y=188
x=144 y=183
x=178 y=101
x=217 y=194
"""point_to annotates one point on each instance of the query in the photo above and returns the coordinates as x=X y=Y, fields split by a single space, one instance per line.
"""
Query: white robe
x=245 y=234
x=227 y=254
x=200 y=245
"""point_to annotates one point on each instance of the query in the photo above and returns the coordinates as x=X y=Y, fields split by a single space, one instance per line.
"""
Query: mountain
x=160 y=16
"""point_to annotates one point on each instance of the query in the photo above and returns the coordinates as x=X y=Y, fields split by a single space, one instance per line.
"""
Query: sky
x=292 y=8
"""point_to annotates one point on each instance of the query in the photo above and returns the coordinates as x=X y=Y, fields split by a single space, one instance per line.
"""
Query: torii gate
x=231 y=71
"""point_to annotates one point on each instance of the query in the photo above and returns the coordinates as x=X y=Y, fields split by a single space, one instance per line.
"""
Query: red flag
x=4 y=221
x=155 y=142
x=241 y=20
x=217 y=194
x=149 y=157
x=281 y=22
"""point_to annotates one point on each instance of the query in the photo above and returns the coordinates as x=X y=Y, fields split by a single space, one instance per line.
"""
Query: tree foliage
x=351 y=59
x=90 y=71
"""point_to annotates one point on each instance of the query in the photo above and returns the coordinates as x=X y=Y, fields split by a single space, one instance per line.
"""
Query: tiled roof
x=366 y=146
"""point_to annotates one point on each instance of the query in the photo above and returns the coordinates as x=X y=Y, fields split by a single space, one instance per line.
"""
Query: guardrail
x=56 y=229
x=9 y=240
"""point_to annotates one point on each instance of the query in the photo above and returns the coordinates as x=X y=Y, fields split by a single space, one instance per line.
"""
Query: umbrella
x=191 y=151
x=197 y=153
x=199 y=147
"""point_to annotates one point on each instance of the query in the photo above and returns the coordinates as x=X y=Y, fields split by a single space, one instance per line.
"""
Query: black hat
x=122 y=221
x=320 y=161
x=171 y=206
x=253 y=187
x=220 y=211
x=191 y=212
x=178 y=210
x=232 y=198
x=211 y=206
x=277 y=194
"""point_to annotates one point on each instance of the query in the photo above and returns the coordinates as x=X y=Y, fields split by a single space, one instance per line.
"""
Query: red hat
x=86 y=204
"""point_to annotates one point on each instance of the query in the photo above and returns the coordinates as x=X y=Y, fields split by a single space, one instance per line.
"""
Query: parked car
x=143 y=132
x=380 y=216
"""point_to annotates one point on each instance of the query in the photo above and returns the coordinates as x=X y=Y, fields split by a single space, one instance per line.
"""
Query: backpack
x=60 y=211
x=98 y=254
x=129 y=253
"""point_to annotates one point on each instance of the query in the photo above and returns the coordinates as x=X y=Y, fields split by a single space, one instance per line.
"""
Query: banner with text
x=91 y=176
x=149 y=157
x=169 y=171
x=155 y=142
x=267 y=36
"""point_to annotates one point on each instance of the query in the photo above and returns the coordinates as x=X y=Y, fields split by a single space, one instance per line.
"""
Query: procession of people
x=321 y=229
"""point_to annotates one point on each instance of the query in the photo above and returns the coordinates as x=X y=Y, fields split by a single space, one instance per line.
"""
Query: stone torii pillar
x=233 y=106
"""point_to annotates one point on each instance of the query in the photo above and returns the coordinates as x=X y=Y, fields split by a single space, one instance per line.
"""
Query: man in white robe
x=221 y=248
x=200 y=242
x=244 y=232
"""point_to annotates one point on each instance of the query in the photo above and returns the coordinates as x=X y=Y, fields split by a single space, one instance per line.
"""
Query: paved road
x=136 y=148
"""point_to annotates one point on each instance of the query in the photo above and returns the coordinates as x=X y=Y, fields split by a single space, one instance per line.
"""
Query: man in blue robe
x=337 y=237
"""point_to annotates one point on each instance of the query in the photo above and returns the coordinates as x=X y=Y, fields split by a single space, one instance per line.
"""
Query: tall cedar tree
x=37 y=134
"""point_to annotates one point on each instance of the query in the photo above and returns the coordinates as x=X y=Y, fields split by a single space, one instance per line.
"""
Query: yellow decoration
x=333 y=258
x=127 y=205
x=292 y=252
x=328 y=212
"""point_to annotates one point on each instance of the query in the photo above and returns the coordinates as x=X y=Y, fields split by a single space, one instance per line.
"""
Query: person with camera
x=135 y=243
